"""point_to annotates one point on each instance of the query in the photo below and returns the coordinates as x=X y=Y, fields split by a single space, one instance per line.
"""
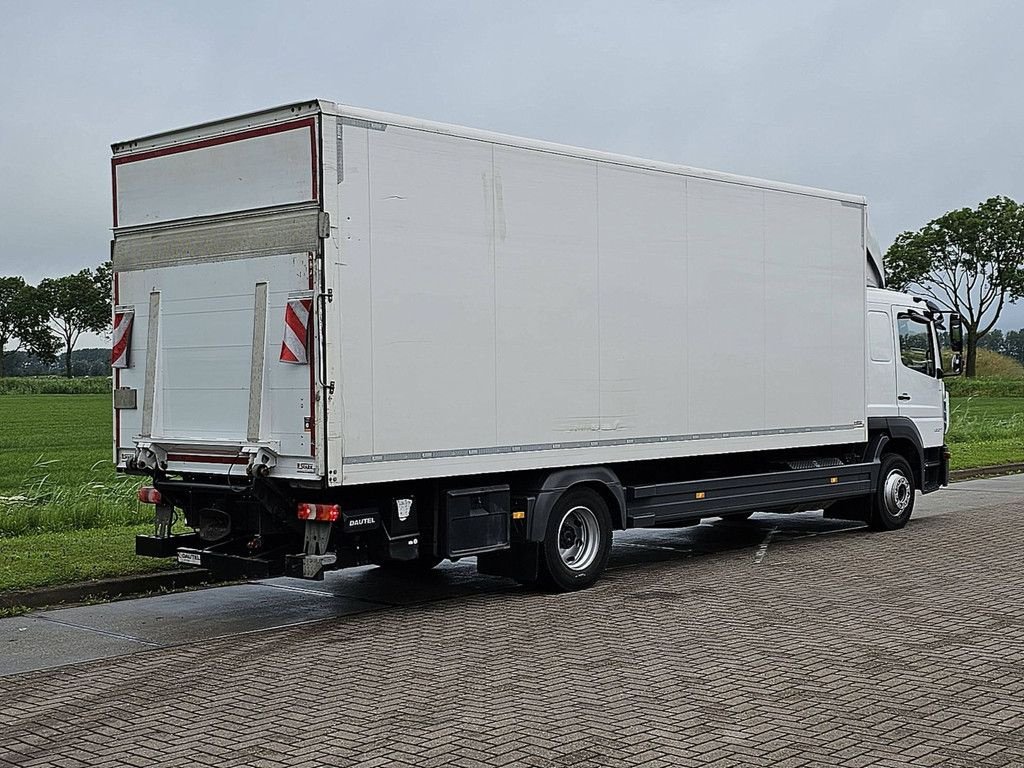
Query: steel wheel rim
x=897 y=493
x=579 y=538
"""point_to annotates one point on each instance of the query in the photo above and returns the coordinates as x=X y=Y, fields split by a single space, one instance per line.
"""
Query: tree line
x=91 y=361
x=1010 y=343
x=46 y=320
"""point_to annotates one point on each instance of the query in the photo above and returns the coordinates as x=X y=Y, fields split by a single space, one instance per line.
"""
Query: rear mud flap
x=521 y=562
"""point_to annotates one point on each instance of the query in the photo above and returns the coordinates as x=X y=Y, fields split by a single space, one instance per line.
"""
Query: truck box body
x=478 y=303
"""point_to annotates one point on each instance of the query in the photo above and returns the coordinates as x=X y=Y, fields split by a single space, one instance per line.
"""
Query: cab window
x=916 y=349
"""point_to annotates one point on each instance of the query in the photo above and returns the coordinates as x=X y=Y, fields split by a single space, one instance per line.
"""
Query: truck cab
x=906 y=395
x=904 y=364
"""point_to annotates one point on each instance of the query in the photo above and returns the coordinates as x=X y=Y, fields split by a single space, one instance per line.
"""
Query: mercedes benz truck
x=344 y=337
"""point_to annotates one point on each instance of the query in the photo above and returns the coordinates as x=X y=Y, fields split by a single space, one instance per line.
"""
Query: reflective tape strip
x=296 y=331
x=123 y=321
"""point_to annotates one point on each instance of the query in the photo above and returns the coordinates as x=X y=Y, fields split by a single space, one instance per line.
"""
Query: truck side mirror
x=956 y=333
x=956 y=364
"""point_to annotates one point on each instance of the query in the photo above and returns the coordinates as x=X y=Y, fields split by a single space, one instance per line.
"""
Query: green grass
x=984 y=386
x=55 y=385
x=65 y=515
x=986 y=431
x=45 y=559
x=56 y=468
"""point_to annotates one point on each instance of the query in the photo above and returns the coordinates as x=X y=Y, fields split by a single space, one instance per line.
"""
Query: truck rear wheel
x=577 y=541
x=893 y=502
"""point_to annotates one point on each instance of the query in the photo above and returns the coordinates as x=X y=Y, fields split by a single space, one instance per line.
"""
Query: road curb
x=105 y=589
x=958 y=475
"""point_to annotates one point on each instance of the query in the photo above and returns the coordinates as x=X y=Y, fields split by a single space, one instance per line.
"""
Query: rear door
x=216 y=259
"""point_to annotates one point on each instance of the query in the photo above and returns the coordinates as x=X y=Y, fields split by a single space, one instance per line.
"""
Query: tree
x=22 y=321
x=969 y=261
x=78 y=303
x=1015 y=345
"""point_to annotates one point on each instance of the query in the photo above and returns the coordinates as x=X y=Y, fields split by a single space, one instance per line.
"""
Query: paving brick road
x=851 y=649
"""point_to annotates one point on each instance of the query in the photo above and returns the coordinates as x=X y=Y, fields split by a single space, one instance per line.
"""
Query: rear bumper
x=187 y=548
x=227 y=565
x=164 y=546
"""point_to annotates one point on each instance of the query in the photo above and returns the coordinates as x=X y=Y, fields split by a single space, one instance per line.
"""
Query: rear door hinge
x=324 y=224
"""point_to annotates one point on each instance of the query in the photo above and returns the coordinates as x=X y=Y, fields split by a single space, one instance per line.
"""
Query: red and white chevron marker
x=123 y=318
x=296 y=331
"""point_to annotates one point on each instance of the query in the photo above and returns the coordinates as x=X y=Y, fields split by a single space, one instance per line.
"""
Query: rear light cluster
x=323 y=512
x=149 y=495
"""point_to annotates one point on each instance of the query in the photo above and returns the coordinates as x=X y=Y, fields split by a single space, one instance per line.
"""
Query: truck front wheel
x=577 y=541
x=893 y=502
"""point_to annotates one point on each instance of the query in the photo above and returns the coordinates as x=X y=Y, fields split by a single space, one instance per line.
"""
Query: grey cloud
x=915 y=105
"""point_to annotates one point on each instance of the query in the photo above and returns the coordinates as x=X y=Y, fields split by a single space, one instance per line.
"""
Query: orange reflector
x=699 y=495
x=518 y=514
x=833 y=480
x=149 y=495
x=322 y=512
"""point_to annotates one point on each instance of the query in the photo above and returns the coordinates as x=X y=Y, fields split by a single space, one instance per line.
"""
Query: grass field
x=985 y=431
x=56 y=472
x=69 y=556
x=65 y=515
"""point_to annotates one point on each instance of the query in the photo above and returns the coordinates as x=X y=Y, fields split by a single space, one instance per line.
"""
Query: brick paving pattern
x=854 y=649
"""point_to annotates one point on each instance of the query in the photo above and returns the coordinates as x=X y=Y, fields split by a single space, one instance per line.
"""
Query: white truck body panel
x=881 y=361
x=496 y=303
x=254 y=169
x=506 y=305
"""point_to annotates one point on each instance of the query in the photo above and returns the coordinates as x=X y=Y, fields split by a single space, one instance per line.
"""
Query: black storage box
x=478 y=520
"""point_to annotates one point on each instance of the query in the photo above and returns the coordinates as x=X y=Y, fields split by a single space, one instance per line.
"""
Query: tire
x=419 y=565
x=893 y=501
x=577 y=541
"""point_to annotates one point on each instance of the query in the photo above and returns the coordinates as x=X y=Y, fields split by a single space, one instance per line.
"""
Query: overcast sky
x=918 y=106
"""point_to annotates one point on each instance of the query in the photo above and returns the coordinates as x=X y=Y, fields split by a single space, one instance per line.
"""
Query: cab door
x=919 y=391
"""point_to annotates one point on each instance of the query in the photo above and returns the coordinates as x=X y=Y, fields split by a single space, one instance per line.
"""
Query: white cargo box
x=479 y=303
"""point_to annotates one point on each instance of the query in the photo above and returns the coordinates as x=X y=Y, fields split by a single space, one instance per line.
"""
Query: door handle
x=904 y=396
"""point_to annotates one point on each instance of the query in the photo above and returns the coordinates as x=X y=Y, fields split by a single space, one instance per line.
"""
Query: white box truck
x=346 y=337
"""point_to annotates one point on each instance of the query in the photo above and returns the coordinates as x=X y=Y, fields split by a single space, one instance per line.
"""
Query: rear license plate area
x=190 y=558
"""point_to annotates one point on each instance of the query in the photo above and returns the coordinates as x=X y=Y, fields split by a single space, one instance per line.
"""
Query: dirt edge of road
x=105 y=589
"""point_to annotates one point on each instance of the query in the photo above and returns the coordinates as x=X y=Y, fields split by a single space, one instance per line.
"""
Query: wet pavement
x=786 y=640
